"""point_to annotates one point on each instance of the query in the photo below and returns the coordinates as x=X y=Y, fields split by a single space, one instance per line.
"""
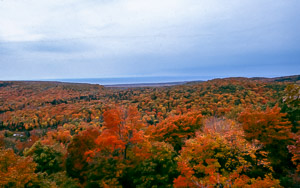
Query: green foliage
x=157 y=170
x=55 y=180
x=63 y=181
x=48 y=159
x=230 y=88
x=104 y=171
x=76 y=162
x=291 y=105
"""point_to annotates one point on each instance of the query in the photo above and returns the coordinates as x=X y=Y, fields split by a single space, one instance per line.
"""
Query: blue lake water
x=134 y=80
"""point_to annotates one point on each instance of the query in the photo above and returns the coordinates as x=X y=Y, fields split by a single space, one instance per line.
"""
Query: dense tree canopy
x=233 y=132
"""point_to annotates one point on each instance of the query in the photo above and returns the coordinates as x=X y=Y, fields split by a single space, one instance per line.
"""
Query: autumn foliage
x=269 y=127
x=16 y=171
x=213 y=159
x=122 y=130
x=233 y=132
x=176 y=129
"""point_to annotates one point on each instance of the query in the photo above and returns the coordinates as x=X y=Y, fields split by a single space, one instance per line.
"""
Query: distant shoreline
x=146 y=84
x=155 y=81
x=152 y=82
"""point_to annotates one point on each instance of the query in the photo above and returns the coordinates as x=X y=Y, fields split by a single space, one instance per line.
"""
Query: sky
x=54 y=39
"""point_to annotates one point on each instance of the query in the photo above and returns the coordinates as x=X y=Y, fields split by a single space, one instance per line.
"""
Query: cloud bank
x=85 y=38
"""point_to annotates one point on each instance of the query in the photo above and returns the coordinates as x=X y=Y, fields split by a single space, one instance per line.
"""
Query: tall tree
x=273 y=131
x=76 y=162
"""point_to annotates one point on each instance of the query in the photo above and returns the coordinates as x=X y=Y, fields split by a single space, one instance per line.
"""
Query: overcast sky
x=48 y=39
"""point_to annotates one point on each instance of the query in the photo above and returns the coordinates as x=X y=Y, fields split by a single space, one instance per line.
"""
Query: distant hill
x=80 y=86
x=294 y=78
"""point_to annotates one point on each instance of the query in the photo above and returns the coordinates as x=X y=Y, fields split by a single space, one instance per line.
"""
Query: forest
x=230 y=132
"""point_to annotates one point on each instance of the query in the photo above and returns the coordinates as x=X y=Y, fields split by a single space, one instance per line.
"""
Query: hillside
x=97 y=136
x=294 y=78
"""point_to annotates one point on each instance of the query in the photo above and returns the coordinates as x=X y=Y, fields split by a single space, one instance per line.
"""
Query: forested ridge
x=231 y=132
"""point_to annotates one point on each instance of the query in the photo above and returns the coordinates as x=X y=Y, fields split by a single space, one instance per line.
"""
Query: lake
x=134 y=80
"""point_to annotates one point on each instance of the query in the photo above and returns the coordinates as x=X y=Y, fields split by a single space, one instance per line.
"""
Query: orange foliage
x=123 y=129
x=266 y=126
x=176 y=129
x=106 y=142
x=211 y=159
x=16 y=171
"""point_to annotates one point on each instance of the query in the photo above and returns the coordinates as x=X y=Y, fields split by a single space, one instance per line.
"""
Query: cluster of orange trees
x=233 y=132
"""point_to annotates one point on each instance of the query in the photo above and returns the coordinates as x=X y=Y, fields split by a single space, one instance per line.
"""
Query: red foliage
x=266 y=126
x=176 y=129
x=123 y=129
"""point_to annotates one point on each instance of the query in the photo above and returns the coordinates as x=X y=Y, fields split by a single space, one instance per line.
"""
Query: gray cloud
x=41 y=39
